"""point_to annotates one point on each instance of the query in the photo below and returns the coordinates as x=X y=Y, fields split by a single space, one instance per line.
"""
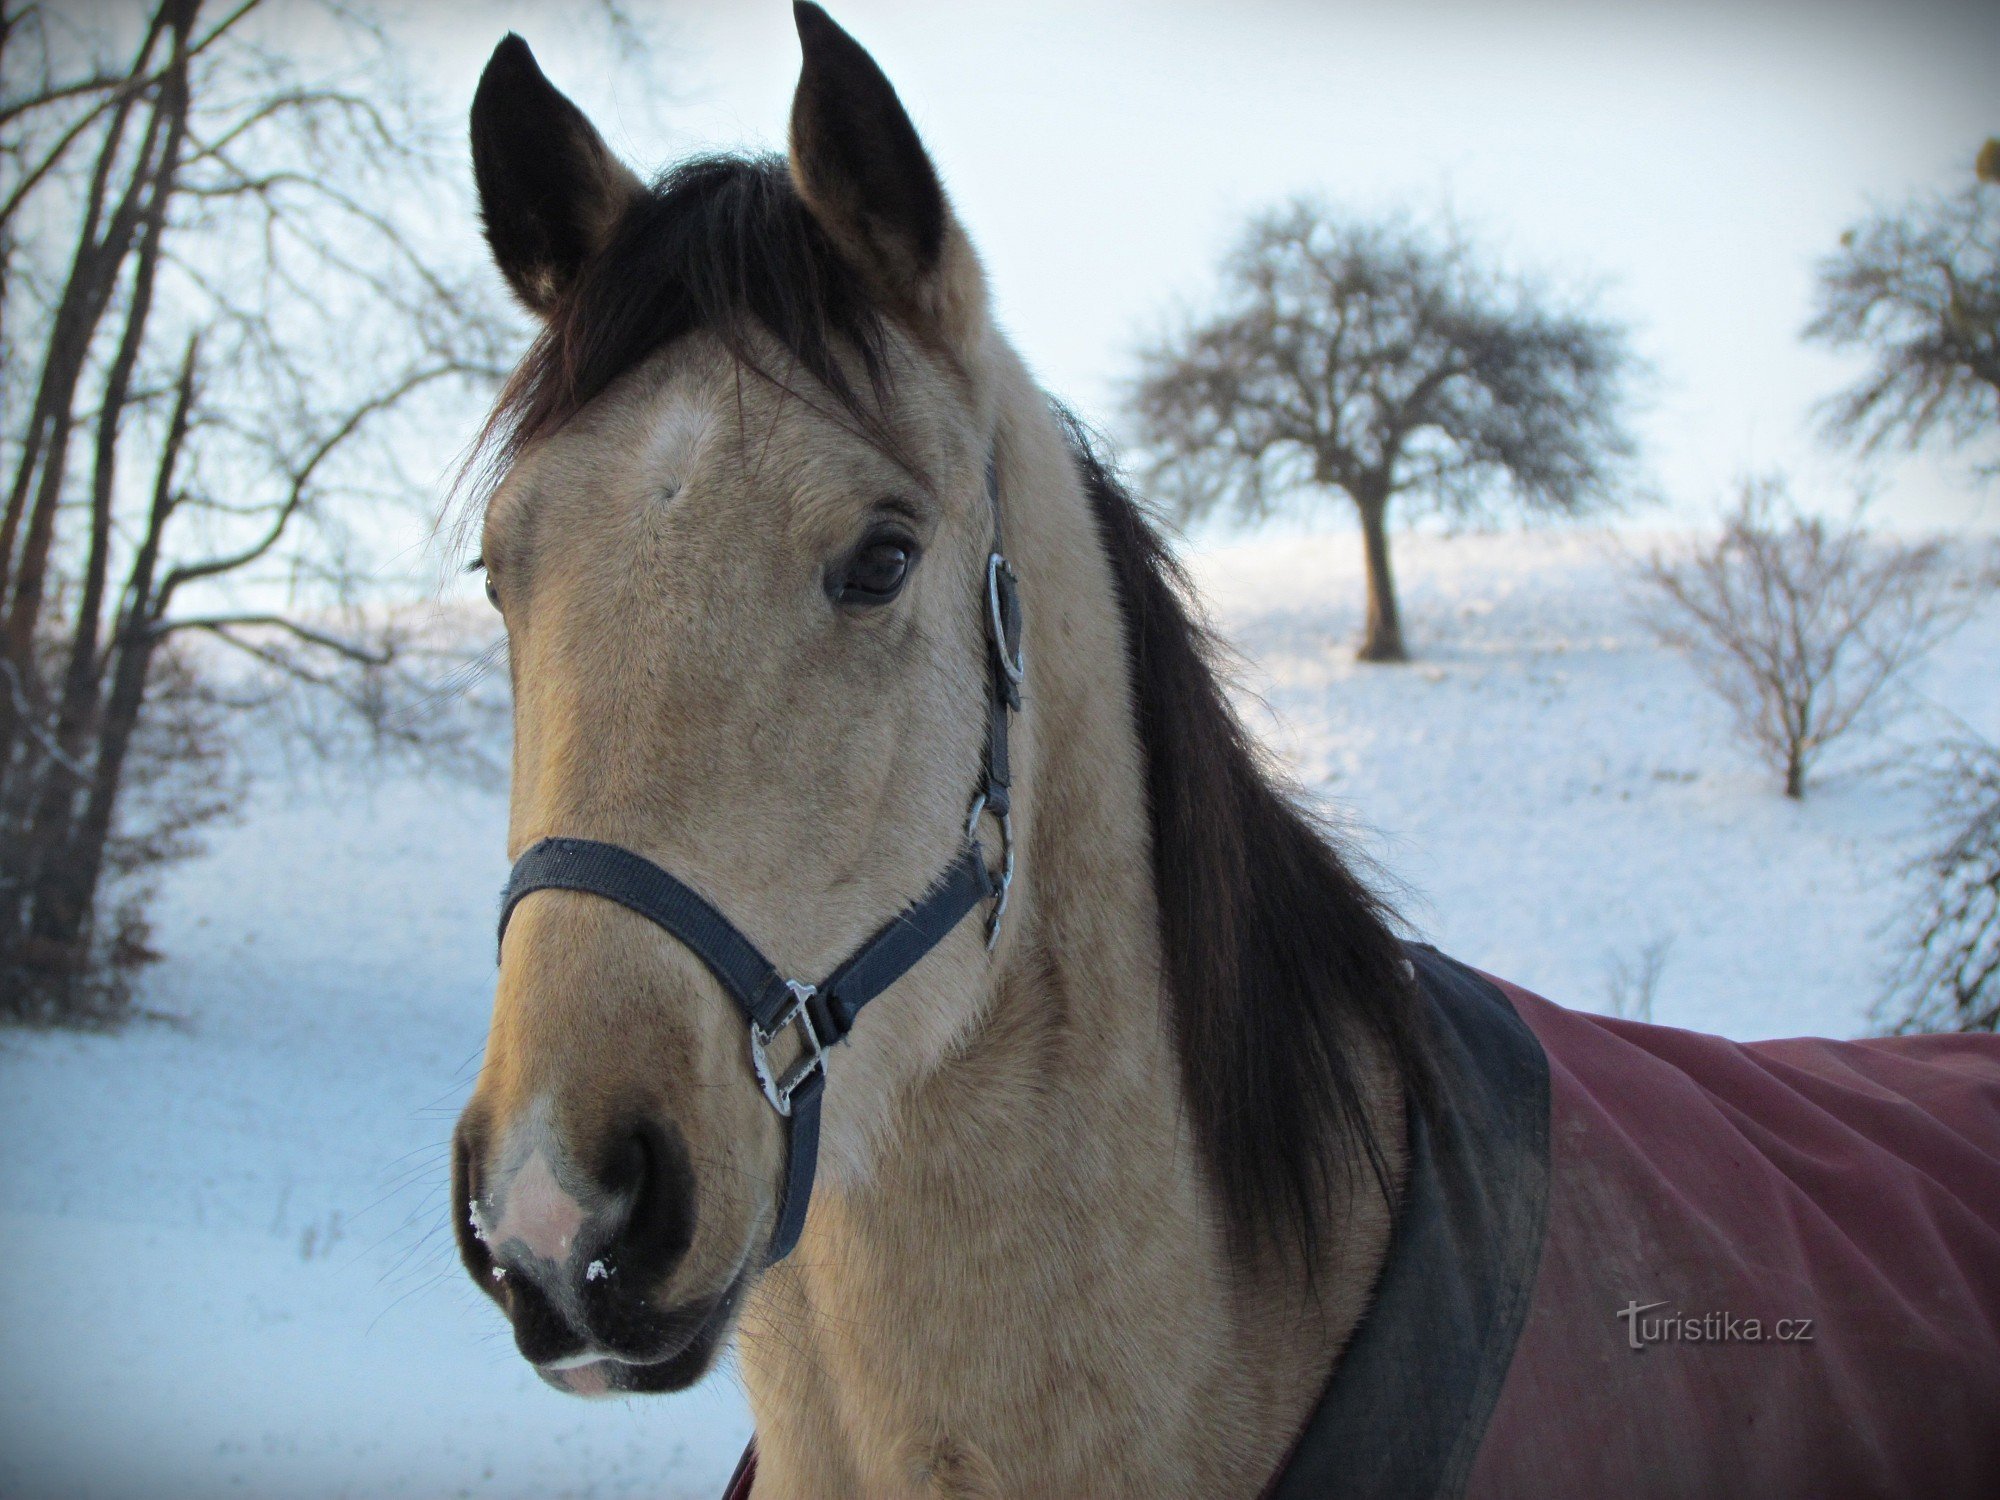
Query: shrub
x=1950 y=977
x=1803 y=625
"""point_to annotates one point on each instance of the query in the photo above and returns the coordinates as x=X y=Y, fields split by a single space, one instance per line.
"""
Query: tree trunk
x=67 y=890
x=1384 y=640
x=66 y=776
x=61 y=355
x=93 y=277
x=100 y=266
x=1795 y=775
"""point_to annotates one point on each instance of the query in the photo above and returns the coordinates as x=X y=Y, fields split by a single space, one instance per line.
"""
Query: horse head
x=740 y=536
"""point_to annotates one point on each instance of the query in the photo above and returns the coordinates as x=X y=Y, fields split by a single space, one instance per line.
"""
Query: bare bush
x=1632 y=980
x=1950 y=978
x=1803 y=625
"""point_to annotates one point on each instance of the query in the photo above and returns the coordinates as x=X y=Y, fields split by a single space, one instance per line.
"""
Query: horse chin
x=618 y=1377
x=615 y=1375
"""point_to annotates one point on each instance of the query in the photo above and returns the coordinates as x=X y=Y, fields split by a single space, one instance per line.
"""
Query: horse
x=848 y=675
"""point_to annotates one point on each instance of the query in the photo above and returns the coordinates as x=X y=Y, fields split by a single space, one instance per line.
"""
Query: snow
x=1559 y=792
x=229 y=1263
x=229 y=1266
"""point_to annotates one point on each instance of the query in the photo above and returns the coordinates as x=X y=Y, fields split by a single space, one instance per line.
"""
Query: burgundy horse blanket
x=1643 y=1262
x=1637 y=1261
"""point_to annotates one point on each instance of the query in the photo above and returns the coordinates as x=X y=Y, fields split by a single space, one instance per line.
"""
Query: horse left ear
x=864 y=174
x=550 y=191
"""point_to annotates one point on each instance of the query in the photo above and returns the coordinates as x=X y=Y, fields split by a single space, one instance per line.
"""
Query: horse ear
x=864 y=174
x=550 y=190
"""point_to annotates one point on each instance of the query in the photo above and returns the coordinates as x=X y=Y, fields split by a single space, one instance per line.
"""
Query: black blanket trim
x=1407 y=1407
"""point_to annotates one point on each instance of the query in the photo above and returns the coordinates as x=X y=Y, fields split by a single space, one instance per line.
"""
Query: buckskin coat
x=1638 y=1261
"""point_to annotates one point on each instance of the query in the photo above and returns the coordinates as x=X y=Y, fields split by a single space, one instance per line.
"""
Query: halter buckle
x=1003 y=608
x=812 y=1050
x=1003 y=883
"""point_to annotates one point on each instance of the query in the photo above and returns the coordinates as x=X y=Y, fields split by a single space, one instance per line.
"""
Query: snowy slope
x=230 y=1271
x=1558 y=791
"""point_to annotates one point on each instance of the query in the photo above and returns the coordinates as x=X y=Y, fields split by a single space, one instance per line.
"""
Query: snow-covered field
x=227 y=1264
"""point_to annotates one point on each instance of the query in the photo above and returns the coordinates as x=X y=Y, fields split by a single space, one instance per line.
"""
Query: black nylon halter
x=822 y=1013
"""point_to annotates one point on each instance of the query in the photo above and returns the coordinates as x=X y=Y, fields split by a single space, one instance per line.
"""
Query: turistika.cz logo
x=1708 y=1328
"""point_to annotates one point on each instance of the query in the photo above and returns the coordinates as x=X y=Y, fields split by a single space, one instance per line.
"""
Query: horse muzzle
x=583 y=1263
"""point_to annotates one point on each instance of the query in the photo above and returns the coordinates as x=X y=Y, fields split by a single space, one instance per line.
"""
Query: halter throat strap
x=819 y=1016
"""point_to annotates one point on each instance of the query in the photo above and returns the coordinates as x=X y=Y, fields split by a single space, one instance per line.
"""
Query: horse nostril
x=651 y=1171
x=472 y=1249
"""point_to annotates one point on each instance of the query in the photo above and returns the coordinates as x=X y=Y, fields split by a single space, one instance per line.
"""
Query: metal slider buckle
x=812 y=1056
x=1003 y=883
x=1002 y=611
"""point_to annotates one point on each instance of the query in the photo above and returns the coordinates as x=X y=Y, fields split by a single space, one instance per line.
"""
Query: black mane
x=1278 y=958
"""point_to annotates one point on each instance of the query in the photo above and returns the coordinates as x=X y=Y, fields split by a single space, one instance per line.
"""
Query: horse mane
x=1278 y=957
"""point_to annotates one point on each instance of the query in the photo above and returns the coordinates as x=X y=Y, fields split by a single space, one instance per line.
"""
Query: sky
x=1685 y=163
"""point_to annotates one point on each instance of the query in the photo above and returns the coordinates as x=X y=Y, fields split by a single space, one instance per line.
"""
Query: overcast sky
x=1688 y=161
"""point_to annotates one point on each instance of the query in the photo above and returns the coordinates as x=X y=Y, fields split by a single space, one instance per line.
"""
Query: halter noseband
x=822 y=1014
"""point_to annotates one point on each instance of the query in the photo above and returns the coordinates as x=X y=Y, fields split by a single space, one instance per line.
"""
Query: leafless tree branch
x=225 y=626
x=1380 y=361
x=1801 y=625
x=1949 y=979
x=1916 y=290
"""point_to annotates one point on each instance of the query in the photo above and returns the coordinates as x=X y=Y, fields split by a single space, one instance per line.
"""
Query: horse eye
x=875 y=573
x=492 y=593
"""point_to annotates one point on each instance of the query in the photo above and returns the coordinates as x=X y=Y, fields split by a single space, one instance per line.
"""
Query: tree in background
x=1950 y=977
x=1802 y=625
x=1381 y=361
x=223 y=321
x=1918 y=291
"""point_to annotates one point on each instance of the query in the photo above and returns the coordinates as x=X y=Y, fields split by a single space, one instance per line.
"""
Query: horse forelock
x=722 y=244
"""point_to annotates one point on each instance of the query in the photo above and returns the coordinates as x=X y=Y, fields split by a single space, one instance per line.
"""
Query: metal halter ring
x=1006 y=880
x=1003 y=883
x=1014 y=664
x=812 y=1056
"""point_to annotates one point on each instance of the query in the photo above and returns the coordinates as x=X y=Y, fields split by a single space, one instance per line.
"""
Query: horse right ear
x=866 y=178
x=550 y=191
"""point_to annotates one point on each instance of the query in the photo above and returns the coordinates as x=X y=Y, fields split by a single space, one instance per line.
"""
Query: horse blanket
x=1632 y=1260
x=1640 y=1261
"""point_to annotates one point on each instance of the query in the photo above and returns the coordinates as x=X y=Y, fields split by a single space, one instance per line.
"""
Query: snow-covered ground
x=1559 y=792
x=227 y=1264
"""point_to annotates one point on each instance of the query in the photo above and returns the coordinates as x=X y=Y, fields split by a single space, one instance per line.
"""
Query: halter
x=820 y=1014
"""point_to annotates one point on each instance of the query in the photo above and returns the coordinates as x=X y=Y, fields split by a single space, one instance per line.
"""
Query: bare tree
x=1950 y=978
x=1803 y=625
x=1381 y=361
x=1917 y=290
x=1632 y=981
x=224 y=323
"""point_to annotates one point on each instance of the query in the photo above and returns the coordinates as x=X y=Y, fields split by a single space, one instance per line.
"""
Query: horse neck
x=1030 y=1293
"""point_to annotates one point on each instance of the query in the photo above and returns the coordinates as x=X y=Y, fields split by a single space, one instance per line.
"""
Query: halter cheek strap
x=820 y=1014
